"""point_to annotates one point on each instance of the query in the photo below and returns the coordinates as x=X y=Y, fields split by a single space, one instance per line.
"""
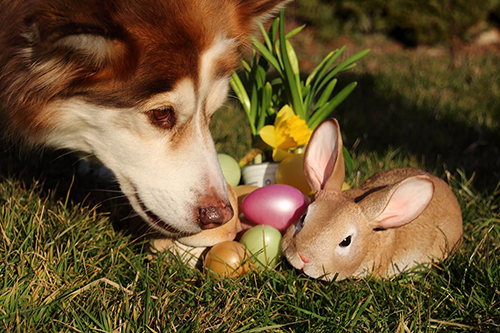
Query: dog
x=133 y=84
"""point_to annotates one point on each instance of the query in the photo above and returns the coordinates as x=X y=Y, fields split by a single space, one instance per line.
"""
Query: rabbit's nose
x=304 y=259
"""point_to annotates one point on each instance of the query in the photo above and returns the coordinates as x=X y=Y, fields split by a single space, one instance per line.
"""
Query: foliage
x=311 y=99
x=411 y=21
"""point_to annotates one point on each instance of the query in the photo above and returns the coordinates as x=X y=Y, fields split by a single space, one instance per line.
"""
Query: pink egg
x=274 y=205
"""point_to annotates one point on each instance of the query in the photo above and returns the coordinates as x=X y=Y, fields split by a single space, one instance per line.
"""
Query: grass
x=68 y=266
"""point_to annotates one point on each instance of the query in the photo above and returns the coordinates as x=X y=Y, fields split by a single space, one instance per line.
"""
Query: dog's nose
x=212 y=217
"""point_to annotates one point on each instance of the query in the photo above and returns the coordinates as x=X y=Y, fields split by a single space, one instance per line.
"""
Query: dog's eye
x=345 y=242
x=164 y=117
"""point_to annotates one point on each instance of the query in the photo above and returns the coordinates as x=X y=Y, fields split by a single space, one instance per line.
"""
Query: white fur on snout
x=166 y=175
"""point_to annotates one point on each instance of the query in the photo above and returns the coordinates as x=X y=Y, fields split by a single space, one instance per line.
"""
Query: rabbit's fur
x=394 y=221
x=192 y=248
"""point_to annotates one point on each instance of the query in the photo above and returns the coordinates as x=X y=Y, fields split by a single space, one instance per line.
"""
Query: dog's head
x=135 y=84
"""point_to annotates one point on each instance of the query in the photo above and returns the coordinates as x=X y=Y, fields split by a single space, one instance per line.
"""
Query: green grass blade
x=349 y=162
x=359 y=311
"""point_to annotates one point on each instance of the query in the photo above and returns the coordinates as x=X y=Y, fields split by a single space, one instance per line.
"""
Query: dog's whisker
x=62 y=155
x=107 y=190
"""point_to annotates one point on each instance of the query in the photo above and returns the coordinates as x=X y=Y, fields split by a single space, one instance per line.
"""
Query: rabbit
x=192 y=248
x=396 y=220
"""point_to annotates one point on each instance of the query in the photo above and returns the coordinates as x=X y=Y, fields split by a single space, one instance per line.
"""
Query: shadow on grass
x=372 y=122
x=59 y=173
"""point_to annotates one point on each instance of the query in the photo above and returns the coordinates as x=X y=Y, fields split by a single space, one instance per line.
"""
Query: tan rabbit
x=191 y=248
x=394 y=221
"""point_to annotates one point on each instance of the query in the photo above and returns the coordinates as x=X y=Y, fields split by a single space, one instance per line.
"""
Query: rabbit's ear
x=399 y=204
x=324 y=160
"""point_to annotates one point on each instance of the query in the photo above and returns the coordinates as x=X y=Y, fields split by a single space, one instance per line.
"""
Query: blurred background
x=428 y=93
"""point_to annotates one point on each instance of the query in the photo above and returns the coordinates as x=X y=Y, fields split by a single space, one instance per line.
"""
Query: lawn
x=69 y=264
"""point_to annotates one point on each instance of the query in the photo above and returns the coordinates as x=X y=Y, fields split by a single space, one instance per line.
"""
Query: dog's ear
x=252 y=12
x=92 y=50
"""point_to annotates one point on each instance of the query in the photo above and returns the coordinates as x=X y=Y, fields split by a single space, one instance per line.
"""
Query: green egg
x=264 y=244
x=230 y=169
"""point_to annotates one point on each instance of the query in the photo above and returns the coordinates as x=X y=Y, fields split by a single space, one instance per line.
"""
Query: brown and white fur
x=192 y=249
x=133 y=84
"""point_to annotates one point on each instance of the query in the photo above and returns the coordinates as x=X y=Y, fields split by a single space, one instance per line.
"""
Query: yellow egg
x=227 y=259
x=291 y=172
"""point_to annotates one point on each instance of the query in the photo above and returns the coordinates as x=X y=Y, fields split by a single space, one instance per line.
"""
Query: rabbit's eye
x=302 y=218
x=300 y=225
x=345 y=242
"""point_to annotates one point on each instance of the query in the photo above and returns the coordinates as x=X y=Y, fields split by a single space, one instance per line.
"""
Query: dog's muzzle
x=212 y=217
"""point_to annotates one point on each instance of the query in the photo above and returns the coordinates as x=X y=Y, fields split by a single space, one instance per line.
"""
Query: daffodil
x=289 y=131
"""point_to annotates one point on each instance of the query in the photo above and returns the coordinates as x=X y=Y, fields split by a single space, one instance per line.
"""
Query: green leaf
x=277 y=51
x=266 y=37
x=266 y=54
x=327 y=109
x=277 y=81
x=326 y=94
x=254 y=106
x=292 y=56
x=273 y=30
x=318 y=74
x=305 y=92
x=240 y=91
x=341 y=67
x=265 y=105
x=295 y=31
x=260 y=77
x=246 y=65
x=294 y=92
x=329 y=59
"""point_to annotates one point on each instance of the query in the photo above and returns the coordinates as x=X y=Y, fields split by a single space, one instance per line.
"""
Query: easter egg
x=242 y=191
x=275 y=205
x=291 y=172
x=230 y=169
x=227 y=259
x=264 y=244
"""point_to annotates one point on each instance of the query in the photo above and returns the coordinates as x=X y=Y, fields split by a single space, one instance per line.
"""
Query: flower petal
x=280 y=154
x=268 y=135
x=283 y=114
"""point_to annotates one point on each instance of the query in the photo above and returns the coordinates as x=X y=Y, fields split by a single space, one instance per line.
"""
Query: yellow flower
x=289 y=131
